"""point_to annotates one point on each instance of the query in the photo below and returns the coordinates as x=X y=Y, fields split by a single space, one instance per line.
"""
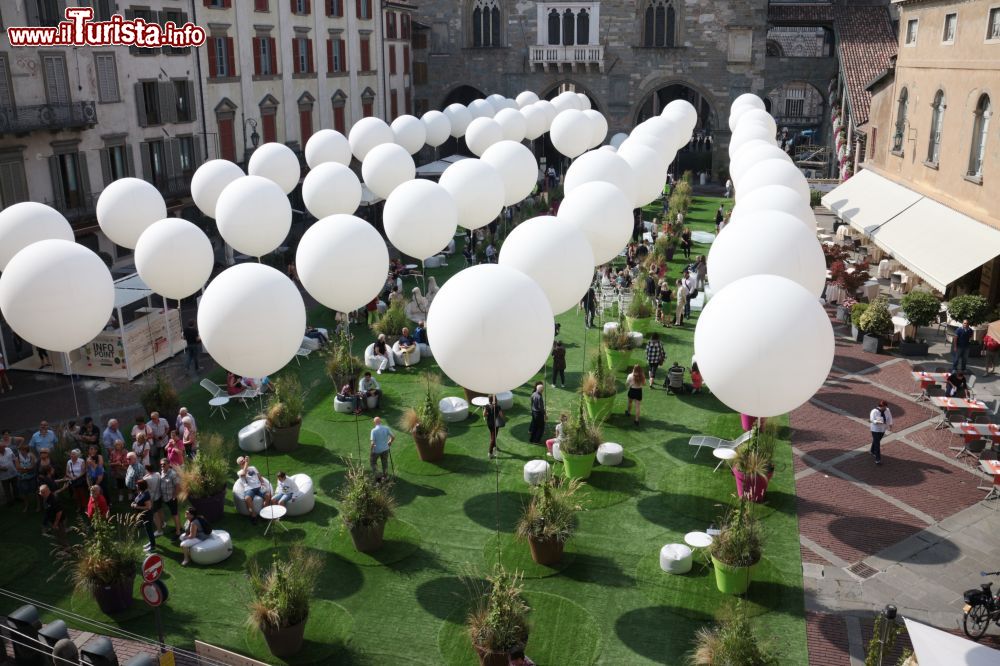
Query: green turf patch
x=516 y=554
x=608 y=486
x=400 y=541
x=328 y=631
x=18 y=558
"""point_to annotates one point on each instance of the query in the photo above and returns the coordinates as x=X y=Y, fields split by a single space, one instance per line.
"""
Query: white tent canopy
x=934 y=647
x=435 y=169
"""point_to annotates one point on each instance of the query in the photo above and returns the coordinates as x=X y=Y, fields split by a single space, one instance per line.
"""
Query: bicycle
x=981 y=606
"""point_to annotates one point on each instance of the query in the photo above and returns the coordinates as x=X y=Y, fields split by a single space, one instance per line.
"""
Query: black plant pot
x=872 y=344
x=856 y=333
x=913 y=348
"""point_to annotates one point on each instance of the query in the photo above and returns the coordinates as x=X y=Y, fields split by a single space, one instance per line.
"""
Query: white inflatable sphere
x=774 y=198
x=748 y=100
x=599 y=126
x=604 y=214
x=276 y=162
x=556 y=256
x=331 y=188
x=761 y=376
x=682 y=112
x=126 y=207
x=749 y=132
x=649 y=171
x=571 y=133
x=251 y=319
x=601 y=165
x=526 y=98
x=492 y=328
x=410 y=133
x=516 y=166
x=459 y=117
x=386 y=167
x=482 y=133
x=28 y=222
x=437 y=126
x=550 y=111
x=368 y=133
x=658 y=144
x=478 y=190
x=208 y=182
x=774 y=172
x=760 y=117
x=617 y=140
x=497 y=101
x=327 y=145
x=254 y=215
x=420 y=217
x=480 y=108
x=752 y=153
x=670 y=135
x=156 y=262
x=567 y=100
x=342 y=262
x=535 y=122
x=512 y=123
x=584 y=101
x=56 y=294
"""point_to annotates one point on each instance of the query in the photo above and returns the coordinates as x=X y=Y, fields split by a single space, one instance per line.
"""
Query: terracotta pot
x=212 y=507
x=430 y=449
x=367 y=539
x=286 y=439
x=546 y=551
x=287 y=641
x=487 y=658
x=116 y=597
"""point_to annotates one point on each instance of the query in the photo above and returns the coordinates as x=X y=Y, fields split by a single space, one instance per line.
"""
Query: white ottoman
x=405 y=359
x=434 y=262
x=453 y=409
x=556 y=453
x=675 y=558
x=258 y=502
x=342 y=406
x=371 y=401
x=425 y=350
x=610 y=326
x=610 y=454
x=253 y=437
x=635 y=338
x=213 y=549
x=535 y=471
x=505 y=400
x=304 y=500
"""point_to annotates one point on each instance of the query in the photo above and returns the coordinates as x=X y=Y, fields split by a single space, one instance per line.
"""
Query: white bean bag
x=370 y=361
x=213 y=549
x=253 y=437
x=434 y=262
x=304 y=500
x=258 y=503
x=505 y=400
x=635 y=338
x=405 y=359
x=675 y=558
x=535 y=472
x=425 y=350
x=556 y=452
x=610 y=454
x=611 y=326
x=371 y=401
x=342 y=406
x=453 y=409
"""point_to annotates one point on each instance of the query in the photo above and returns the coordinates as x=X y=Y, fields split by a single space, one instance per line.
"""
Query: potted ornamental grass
x=392 y=323
x=342 y=366
x=549 y=519
x=876 y=322
x=425 y=424
x=578 y=445
x=279 y=599
x=618 y=347
x=284 y=412
x=857 y=311
x=598 y=390
x=205 y=478
x=640 y=310
x=921 y=308
x=731 y=641
x=753 y=465
x=737 y=549
x=366 y=506
x=105 y=560
x=161 y=397
x=498 y=621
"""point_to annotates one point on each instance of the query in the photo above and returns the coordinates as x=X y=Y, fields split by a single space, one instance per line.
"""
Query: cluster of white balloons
x=764 y=343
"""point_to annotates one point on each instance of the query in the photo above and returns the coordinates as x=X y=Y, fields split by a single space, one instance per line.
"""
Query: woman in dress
x=141 y=448
x=76 y=474
x=492 y=412
x=634 y=383
x=175 y=450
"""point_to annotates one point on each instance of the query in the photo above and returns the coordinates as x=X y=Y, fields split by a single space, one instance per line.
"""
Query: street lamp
x=253 y=136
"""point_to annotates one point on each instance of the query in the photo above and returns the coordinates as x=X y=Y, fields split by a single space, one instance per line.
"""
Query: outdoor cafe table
x=974 y=431
x=927 y=380
x=991 y=467
x=948 y=405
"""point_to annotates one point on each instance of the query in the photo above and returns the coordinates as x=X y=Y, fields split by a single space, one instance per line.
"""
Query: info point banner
x=79 y=29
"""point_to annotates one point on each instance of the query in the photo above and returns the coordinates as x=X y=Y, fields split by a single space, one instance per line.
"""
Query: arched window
x=486 y=23
x=569 y=25
x=583 y=27
x=980 y=132
x=554 y=28
x=897 y=138
x=660 y=23
x=937 y=124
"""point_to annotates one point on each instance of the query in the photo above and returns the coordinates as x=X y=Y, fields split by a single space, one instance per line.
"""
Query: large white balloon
x=386 y=167
x=526 y=98
x=774 y=172
x=741 y=105
x=368 y=133
x=420 y=217
x=251 y=319
x=29 y=222
x=410 y=133
x=276 y=162
x=682 y=112
x=327 y=145
x=331 y=188
x=774 y=198
x=56 y=294
x=556 y=256
x=342 y=262
x=752 y=153
x=649 y=170
x=658 y=144
x=584 y=101
x=254 y=215
x=516 y=166
x=492 y=328
x=670 y=134
x=438 y=128
x=512 y=123
x=601 y=165
x=604 y=215
x=477 y=189
x=599 y=126
x=749 y=132
x=617 y=140
x=481 y=134
x=567 y=100
x=759 y=117
x=480 y=108
x=571 y=133
x=156 y=262
x=208 y=182
x=773 y=243
x=767 y=372
x=550 y=111
x=497 y=101
x=536 y=122
x=459 y=117
x=126 y=207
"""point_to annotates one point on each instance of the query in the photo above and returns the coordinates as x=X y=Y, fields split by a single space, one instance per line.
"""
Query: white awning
x=435 y=169
x=867 y=200
x=933 y=647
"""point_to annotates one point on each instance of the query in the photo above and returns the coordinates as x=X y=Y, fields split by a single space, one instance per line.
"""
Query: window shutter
x=342 y=45
x=212 y=66
x=192 y=108
x=81 y=160
x=274 y=56
x=329 y=54
x=129 y=162
x=168 y=102
x=309 y=50
x=197 y=157
x=406 y=60
x=173 y=150
x=308 y=6
x=59 y=198
x=256 y=55
x=295 y=56
x=227 y=4
x=147 y=169
x=140 y=104
x=358 y=7
x=392 y=59
x=105 y=167
x=232 y=55
x=207 y=3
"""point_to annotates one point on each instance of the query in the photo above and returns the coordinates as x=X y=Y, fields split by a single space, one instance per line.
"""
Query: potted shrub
x=850 y=280
x=498 y=621
x=106 y=560
x=640 y=310
x=205 y=478
x=548 y=520
x=618 y=347
x=279 y=601
x=857 y=311
x=753 y=465
x=284 y=412
x=736 y=550
x=579 y=443
x=731 y=641
x=921 y=308
x=392 y=323
x=598 y=389
x=876 y=322
x=342 y=366
x=426 y=425
x=161 y=397
x=366 y=506
x=976 y=309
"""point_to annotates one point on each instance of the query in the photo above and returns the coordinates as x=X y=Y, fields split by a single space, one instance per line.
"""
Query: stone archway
x=559 y=87
x=462 y=94
x=698 y=155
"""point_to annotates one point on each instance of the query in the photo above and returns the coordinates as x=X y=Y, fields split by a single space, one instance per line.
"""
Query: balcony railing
x=75 y=208
x=22 y=119
x=798 y=121
x=173 y=187
x=567 y=58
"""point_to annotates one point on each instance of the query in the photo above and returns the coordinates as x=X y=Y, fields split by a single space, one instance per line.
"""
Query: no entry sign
x=152 y=568
x=154 y=593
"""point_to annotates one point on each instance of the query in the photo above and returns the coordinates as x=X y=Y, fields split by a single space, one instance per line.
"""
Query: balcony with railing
x=556 y=58
x=23 y=119
x=75 y=207
x=799 y=120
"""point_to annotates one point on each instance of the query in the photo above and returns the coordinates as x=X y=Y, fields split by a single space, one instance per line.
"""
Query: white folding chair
x=212 y=387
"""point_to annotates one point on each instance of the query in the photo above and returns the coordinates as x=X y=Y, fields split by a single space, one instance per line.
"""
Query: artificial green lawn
x=608 y=603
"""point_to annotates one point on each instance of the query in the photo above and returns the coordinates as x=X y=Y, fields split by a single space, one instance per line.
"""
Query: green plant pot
x=578 y=467
x=599 y=409
x=732 y=580
x=642 y=325
x=620 y=360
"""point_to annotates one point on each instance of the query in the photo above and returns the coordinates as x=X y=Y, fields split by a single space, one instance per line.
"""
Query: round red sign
x=152 y=568
x=154 y=593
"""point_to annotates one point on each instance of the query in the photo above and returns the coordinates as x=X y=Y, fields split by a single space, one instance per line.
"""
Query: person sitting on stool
x=369 y=387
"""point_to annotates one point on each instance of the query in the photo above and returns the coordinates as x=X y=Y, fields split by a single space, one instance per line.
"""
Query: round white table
x=218 y=404
x=696 y=539
x=724 y=454
x=273 y=515
x=480 y=401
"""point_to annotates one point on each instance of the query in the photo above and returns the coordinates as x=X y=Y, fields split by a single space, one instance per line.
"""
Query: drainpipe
x=201 y=83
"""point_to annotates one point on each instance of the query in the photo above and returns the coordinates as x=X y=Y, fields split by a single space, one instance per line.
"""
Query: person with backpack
x=196 y=529
x=881 y=420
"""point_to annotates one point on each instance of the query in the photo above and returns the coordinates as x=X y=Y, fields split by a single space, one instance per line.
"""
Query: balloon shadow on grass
x=441 y=596
x=338 y=579
x=331 y=483
x=636 y=630
x=597 y=569
x=482 y=509
x=681 y=512
x=406 y=491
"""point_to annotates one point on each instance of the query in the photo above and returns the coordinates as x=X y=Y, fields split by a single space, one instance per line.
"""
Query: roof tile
x=865 y=43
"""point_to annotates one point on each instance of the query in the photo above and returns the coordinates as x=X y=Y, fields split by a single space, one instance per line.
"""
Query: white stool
x=635 y=338
x=434 y=262
x=556 y=453
x=453 y=409
x=610 y=454
x=675 y=558
x=535 y=471
x=252 y=437
x=610 y=326
x=304 y=500
x=342 y=406
x=213 y=549
x=505 y=400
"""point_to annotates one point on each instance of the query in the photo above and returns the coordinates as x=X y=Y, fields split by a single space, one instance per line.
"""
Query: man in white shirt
x=691 y=282
x=252 y=485
x=881 y=420
x=287 y=489
x=369 y=387
x=160 y=431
